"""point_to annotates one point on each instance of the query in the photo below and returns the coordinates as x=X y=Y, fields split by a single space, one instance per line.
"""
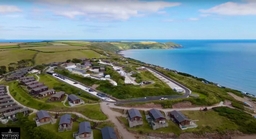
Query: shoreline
x=204 y=80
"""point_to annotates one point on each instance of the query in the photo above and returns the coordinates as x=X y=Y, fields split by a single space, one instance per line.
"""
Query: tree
x=75 y=60
x=68 y=61
x=2 y=70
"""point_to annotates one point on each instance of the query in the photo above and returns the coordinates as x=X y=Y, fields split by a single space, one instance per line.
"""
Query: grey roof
x=8 y=104
x=156 y=114
x=35 y=85
x=10 y=108
x=39 y=88
x=178 y=116
x=58 y=94
x=73 y=97
x=4 y=96
x=108 y=133
x=84 y=127
x=27 y=80
x=32 y=82
x=15 y=112
x=134 y=113
x=65 y=119
x=28 y=77
x=5 y=100
x=42 y=114
x=47 y=91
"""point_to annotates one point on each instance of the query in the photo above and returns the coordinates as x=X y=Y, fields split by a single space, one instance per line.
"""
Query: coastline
x=206 y=81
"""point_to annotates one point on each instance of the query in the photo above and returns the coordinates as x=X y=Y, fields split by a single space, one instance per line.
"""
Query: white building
x=179 y=89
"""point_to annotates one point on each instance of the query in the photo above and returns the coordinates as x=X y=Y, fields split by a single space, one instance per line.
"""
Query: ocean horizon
x=230 y=63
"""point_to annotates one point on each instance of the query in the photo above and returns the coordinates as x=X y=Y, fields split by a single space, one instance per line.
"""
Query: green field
x=57 y=48
x=42 y=58
x=14 y=55
x=209 y=121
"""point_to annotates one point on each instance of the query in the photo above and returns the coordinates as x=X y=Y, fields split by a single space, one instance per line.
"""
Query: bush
x=245 y=121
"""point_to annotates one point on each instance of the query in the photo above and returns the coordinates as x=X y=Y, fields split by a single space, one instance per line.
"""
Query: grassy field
x=14 y=55
x=57 y=48
x=63 y=56
x=91 y=111
x=209 y=121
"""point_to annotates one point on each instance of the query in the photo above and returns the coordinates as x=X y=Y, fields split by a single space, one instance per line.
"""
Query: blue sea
x=230 y=63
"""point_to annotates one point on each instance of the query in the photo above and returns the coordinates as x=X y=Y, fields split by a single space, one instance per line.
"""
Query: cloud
x=233 y=8
x=106 y=9
x=193 y=19
x=9 y=9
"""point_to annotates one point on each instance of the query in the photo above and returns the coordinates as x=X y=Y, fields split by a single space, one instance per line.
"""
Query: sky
x=127 y=19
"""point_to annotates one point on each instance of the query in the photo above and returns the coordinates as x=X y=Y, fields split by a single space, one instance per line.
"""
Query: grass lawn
x=209 y=121
x=14 y=55
x=63 y=56
x=57 y=48
x=52 y=82
x=145 y=128
x=91 y=111
x=148 y=76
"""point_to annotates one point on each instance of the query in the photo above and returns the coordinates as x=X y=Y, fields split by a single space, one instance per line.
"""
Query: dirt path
x=38 y=78
x=112 y=117
x=111 y=105
x=245 y=137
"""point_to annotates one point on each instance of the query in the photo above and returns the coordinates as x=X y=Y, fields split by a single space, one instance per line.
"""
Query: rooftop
x=84 y=127
x=178 y=116
x=58 y=94
x=42 y=114
x=65 y=119
x=156 y=114
x=134 y=113
x=73 y=97
x=108 y=133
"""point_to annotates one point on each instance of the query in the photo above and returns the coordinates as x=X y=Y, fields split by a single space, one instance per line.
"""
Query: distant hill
x=124 y=45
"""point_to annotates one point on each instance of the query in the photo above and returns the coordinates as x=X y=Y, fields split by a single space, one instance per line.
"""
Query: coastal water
x=231 y=63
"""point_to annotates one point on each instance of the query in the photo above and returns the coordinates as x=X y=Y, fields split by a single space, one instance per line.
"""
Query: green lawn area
x=148 y=76
x=209 y=121
x=63 y=56
x=145 y=128
x=57 y=48
x=14 y=55
x=52 y=82
x=92 y=111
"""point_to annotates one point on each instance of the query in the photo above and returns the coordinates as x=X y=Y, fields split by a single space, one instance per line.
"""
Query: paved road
x=112 y=117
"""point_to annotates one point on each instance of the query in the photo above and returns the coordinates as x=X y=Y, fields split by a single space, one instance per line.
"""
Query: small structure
x=10 y=109
x=134 y=117
x=30 y=83
x=8 y=104
x=179 y=89
x=6 y=100
x=66 y=123
x=46 y=93
x=4 y=96
x=58 y=96
x=35 y=71
x=156 y=119
x=12 y=114
x=69 y=65
x=84 y=132
x=107 y=76
x=74 y=100
x=35 y=85
x=42 y=118
x=183 y=122
x=108 y=133
x=38 y=90
x=26 y=80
